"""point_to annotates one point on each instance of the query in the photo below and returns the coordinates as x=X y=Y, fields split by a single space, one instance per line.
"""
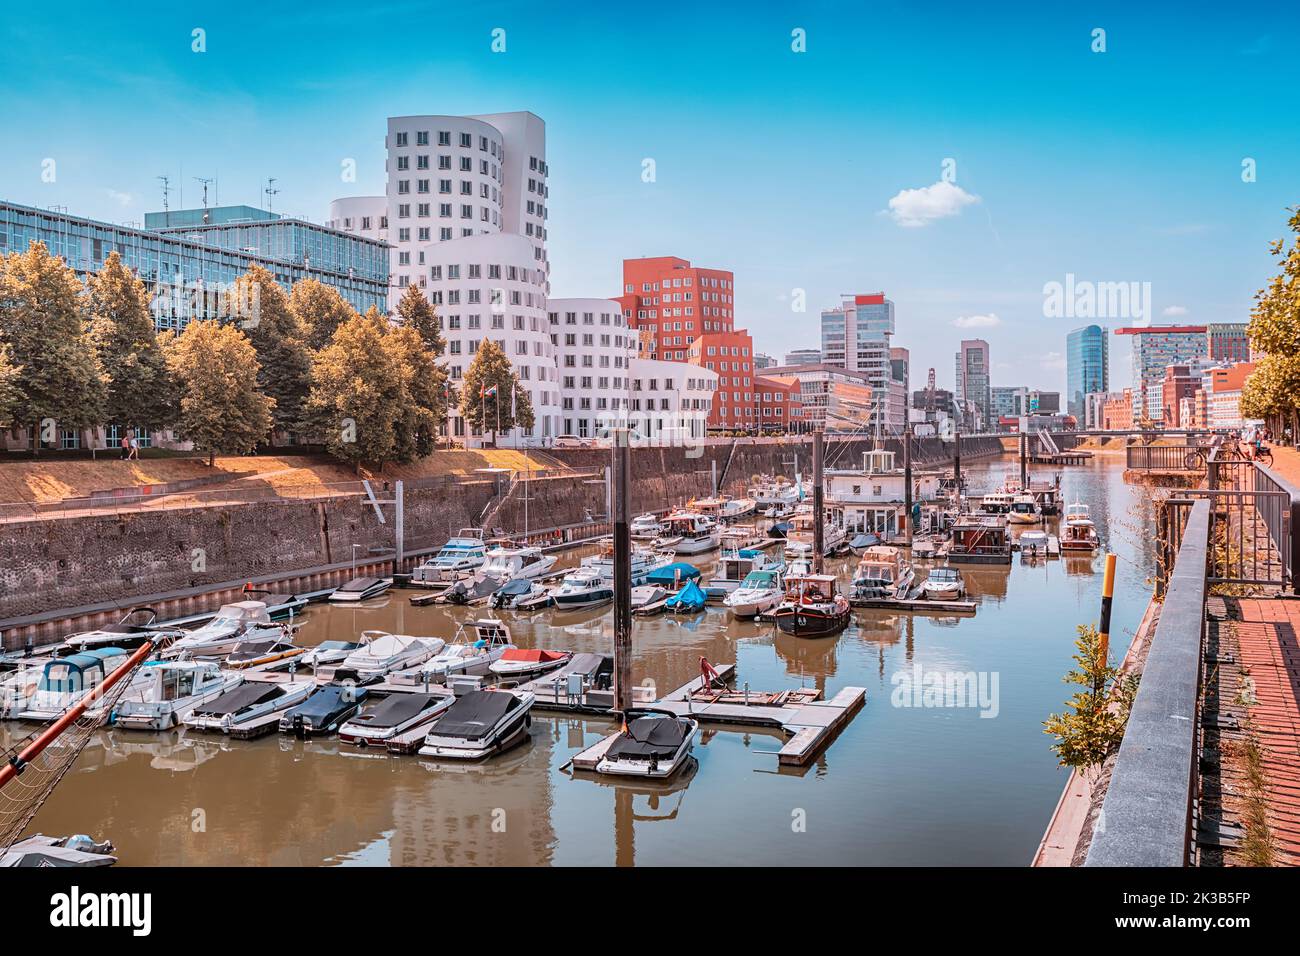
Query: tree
x=485 y=398
x=1271 y=390
x=319 y=309
x=8 y=387
x=416 y=313
x=277 y=336
x=139 y=390
x=222 y=410
x=1092 y=728
x=426 y=393
x=56 y=380
x=357 y=393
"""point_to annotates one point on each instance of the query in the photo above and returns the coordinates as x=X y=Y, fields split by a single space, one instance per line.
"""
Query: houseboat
x=996 y=503
x=980 y=539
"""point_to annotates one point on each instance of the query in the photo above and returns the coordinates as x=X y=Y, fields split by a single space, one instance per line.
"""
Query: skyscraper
x=1087 y=366
x=856 y=336
x=974 y=389
x=1155 y=348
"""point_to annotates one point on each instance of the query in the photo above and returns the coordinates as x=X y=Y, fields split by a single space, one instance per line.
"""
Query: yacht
x=137 y=626
x=943 y=584
x=812 y=607
x=382 y=653
x=479 y=724
x=1024 y=510
x=735 y=566
x=268 y=645
x=327 y=709
x=359 y=589
x=65 y=681
x=392 y=716
x=163 y=693
x=882 y=574
x=506 y=562
x=645 y=527
x=644 y=562
x=469 y=656
x=520 y=664
x=689 y=533
x=650 y=745
x=1078 y=533
x=249 y=701
x=759 y=593
x=459 y=556
x=582 y=587
x=218 y=637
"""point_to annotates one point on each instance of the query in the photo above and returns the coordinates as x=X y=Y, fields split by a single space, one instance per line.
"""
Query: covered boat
x=395 y=714
x=480 y=724
x=327 y=709
x=651 y=745
x=382 y=653
x=518 y=663
x=689 y=600
x=248 y=702
x=863 y=540
x=813 y=607
x=360 y=589
x=66 y=680
x=471 y=589
x=519 y=593
x=1033 y=544
x=673 y=574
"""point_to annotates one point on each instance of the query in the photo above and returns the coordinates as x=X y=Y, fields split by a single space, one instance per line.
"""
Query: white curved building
x=360 y=215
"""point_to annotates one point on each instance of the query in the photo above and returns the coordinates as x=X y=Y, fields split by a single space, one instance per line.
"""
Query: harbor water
x=914 y=778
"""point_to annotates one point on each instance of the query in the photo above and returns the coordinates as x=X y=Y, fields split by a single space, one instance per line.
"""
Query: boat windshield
x=877 y=572
x=759 y=579
x=943 y=574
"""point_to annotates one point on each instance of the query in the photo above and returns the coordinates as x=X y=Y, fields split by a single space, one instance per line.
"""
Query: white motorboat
x=644 y=561
x=882 y=574
x=394 y=715
x=687 y=532
x=66 y=680
x=480 y=724
x=651 y=745
x=645 y=527
x=724 y=508
x=1078 y=533
x=360 y=589
x=734 y=567
x=1033 y=544
x=382 y=653
x=582 y=587
x=943 y=584
x=218 y=637
x=163 y=693
x=520 y=595
x=328 y=653
x=1024 y=510
x=459 y=556
x=469 y=655
x=266 y=645
x=519 y=663
x=250 y=701
x=760 y=592
x=648 y=596
x=799 y=540
x=137 y=625
x=506 y=562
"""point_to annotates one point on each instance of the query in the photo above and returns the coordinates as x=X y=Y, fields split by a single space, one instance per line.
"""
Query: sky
x=958 y=159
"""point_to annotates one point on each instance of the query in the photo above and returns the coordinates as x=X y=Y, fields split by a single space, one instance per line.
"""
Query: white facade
x=671 y=401
x=593 y=353
x=365 y=216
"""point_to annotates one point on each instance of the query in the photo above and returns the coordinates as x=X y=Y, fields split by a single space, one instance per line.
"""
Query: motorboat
x=688 y=532
x=43 y=851
x=673 y=575
x=775 y=494
x=1078 y=533
x=360 y=589
x=812 y=607
x=996 y=503
x=734 y=567
x=800 y=538
x=519 y=663
x=469 y=655
x=250 y=701
x=328 y=653
x=392 y=716
x=643 y=560
x=778 y=530
x=943 y=584
x=137 y=626
x=461 y=555
x=65 y=681
x=582 y=587
x=520 y=594
x=479 y=724
x=472 y=589
x=645 y=527
x=266 y=645
x=689 y=600
x=506 y=562
x=1024 y=510
x=863 y=540
x=324 y=712
x=1033 y=544
x=650 y=745
x=163 y=693
x=17 y=688
x=723 y=508
x=382 y=653
x=799 y=566
x=882 y=574
x=218 y=637
x=648 y=598
x=760 y=592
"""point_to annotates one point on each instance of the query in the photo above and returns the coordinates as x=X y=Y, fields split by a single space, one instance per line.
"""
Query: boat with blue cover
x=688 y=600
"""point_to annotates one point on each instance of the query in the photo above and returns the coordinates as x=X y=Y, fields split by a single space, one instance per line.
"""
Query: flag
x=485 y=392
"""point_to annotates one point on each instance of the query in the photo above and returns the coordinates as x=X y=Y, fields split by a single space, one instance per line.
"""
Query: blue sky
x=1117 y=166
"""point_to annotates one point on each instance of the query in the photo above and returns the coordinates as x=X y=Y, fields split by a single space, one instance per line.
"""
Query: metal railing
x=1165 y=457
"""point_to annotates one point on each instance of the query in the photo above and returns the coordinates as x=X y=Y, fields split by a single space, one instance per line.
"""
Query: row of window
x=707 y=282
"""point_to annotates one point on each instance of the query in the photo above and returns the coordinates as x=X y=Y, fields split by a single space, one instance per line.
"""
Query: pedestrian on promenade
x=135 y=448
x=126 y=447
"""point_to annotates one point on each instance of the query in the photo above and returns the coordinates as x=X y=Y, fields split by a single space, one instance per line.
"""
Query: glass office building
x=1087 y=367
x=185 y=267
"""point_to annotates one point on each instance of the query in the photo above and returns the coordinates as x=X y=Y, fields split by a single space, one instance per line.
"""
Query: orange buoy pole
x=1107 y=595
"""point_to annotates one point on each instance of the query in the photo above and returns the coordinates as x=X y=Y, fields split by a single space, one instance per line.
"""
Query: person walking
x=135 y=448
x=126 y=446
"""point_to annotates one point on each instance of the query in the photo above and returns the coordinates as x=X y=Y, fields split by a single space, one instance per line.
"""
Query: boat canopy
x=535 y=656
x=689 y=595
x=328 y=700
x=397 y=709
x=473 y=716
x=242 y=697
x=671 y=573
x=646 y=737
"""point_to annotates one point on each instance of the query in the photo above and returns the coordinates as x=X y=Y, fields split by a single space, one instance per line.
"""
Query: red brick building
x=778 y=401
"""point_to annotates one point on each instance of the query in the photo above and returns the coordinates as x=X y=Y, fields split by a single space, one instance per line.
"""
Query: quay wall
x=97 y=563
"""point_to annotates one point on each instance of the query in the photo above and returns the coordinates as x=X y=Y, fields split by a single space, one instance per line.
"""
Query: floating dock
x=915 y=602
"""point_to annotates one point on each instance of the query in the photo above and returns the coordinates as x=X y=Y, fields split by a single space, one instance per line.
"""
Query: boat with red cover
x=518 y=662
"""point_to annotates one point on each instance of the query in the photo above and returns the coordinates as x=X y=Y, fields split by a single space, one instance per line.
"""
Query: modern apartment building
x=1087 y=366
x=857 y=336
x=672 y=303
x=1227 y=342
x=973 y=392
x=831 y=397
x=594 y=350
x=1155 y=348
x=803 y=357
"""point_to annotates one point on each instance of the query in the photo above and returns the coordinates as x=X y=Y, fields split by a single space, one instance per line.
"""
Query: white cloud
x=920 y=207
x=121 y=198
x=977 y=321
x=1174 y=310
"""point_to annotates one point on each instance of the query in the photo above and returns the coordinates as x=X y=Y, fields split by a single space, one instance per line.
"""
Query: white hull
x=698 y=545
x=293 y=695
x=753 y=604
x=164 y=715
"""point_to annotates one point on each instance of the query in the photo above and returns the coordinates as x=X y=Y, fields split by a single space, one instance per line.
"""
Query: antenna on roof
x=167 y=191
x=206 y=183
x=270 y=191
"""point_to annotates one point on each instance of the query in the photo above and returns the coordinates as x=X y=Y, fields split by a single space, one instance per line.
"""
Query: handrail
x=1146 y=817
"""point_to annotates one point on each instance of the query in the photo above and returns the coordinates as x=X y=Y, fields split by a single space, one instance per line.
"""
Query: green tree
x=56 y=380
x=277 y=336
x=1093 y=725
x=357 y=393
x=426 y=393
x=1273 y=389
x=8 y=387
x=222 y=410
x=139 y=386
x=485 y=398
x=416 y=313
x=319 y=309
